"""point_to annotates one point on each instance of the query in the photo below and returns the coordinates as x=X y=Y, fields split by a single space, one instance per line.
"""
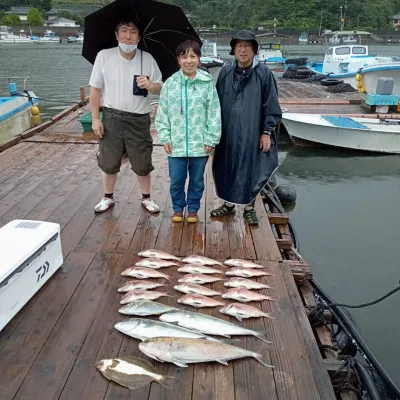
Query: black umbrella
x=163 y=27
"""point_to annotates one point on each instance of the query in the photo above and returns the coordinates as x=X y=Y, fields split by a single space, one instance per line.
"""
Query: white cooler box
x=30 y=254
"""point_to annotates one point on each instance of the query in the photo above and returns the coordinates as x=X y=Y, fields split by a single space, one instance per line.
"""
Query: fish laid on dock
x=143 y=329
x=145 y=307
x=195 y=259
x=199 y=279
x=245 y=283
x=181 y=351
x=196 y=289
x=199 y=301
x=244 y=295
x=144 y=273
x=199 y=269
x=246 y=272
x=155 y=263
x=243 y=311
x=139 y=284
x=209 y=325
x=151 y=253
x=236 y=262
x=133 y=373
x=138 y=294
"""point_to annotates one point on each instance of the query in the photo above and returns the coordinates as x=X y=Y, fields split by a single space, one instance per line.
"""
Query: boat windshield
x=340 y=51
x=359 y=50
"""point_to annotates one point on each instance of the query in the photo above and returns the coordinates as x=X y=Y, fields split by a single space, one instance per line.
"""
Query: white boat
x=9 y=37
x=15 y=112
x=210 y=59
x=366 y=134
x=49 y=37
x=270 y=54
x=346 y=61
x=303 y=38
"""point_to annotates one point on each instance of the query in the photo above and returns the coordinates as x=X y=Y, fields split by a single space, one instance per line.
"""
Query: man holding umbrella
x=121 y=79
x=246 y=156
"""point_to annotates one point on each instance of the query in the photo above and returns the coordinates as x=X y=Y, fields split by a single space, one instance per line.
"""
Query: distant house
x=22 y=12
x=62 y=22
x=396 y=22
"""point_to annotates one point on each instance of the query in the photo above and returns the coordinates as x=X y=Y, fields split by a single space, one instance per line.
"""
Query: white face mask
x=127 y=48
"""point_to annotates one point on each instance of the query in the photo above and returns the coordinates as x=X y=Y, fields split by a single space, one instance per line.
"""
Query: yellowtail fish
x=130 y=372
x=181 y=351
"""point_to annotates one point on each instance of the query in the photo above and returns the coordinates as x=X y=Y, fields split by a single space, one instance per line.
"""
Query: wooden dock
x=48 y=351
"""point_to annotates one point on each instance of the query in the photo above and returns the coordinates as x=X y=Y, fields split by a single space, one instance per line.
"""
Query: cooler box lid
x=20 y=239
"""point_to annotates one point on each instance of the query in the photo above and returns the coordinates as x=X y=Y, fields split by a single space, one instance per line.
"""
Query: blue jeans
x=178 y=171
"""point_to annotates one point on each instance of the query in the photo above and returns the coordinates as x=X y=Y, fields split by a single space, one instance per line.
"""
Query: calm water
x=347 y=213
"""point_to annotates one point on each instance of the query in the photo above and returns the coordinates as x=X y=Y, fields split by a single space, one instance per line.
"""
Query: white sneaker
x=104 y=205
x=150 y=206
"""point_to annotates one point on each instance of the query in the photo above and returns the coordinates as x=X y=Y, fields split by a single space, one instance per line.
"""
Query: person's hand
x=265 y=143
x=168 y=148
x=98 y=127
x=208 y=149
x=143 y=82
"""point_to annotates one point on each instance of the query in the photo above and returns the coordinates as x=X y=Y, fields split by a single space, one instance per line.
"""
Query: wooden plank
x=285 y=244
x=263 y=237
x=22 y=348
x=217 y=237
x=293 y=374
x=47 y=376
x=321 y=377
x=277 y=218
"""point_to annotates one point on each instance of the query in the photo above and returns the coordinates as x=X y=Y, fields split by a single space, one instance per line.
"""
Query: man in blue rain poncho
x=246 y=156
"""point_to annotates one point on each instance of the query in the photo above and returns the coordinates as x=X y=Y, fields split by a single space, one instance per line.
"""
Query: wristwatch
x=267 y=133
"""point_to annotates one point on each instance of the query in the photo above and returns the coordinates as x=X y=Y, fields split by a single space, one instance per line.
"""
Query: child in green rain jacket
x=188 y=123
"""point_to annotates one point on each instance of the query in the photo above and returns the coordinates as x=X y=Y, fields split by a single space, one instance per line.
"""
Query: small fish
x=131 y=372
x=246 y=272
x=199 y=279
x=181 y=351
x=199 y=301
x=144 y=273
x=145 y=307
x=245 y=283
x=143 y=329
x=155 y=263
x=143 y=285
x=151 y=253
x=138 y=294
x=195 y=259
x=210 y=325
x=199 y=269
x=235 y=262
x=242 y=311
x=192 y=288
x=244 y=295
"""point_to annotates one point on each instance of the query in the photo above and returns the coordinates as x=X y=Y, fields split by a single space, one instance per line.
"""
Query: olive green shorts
x=125 y=133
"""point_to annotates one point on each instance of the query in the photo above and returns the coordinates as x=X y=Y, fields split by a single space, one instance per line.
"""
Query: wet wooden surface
x=49 y=350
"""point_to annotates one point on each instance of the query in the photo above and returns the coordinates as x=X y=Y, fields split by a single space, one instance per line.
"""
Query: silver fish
x=145 y=307
x=199 y=279
x=242 y=311
x=138 y=294
x=199 y=269
x=199 y=301
x=151 y=253
x=209 y=325
x=131 y=372
x=236 y=262
x=144 y=273
x=143 y=329
x=182 y=351
x=246 y=272
x=143 y=285
x=155 y=263
x=245 y=283
x=195 y=259
x=196 y=289
x=244 y=295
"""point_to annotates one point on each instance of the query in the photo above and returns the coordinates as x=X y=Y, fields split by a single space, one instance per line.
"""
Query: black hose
x=367 y=381
x=345 y=323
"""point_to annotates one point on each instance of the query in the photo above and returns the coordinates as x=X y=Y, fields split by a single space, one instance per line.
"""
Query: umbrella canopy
x=163 y=27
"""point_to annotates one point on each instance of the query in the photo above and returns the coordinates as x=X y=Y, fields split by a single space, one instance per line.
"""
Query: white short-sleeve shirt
x=113 y=74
